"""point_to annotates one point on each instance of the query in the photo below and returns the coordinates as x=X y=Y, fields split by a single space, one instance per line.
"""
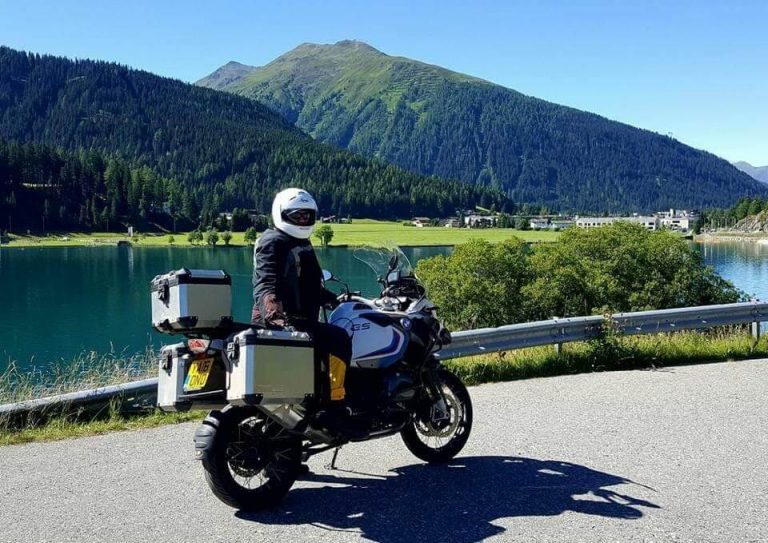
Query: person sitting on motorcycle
x=288 y=290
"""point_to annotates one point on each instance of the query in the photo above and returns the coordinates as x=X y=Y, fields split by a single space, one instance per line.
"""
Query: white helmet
x=294 y=212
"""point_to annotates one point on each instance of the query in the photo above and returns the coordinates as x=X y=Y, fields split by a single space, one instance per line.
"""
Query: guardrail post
x=755 y=329
x=558 y=348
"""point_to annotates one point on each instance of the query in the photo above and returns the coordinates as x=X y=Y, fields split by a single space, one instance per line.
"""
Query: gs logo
x=361 y=326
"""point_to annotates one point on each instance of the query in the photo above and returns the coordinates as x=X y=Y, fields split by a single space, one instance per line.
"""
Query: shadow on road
x=456 y=502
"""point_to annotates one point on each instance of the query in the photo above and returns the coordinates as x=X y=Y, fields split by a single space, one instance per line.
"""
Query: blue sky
x=697 y=70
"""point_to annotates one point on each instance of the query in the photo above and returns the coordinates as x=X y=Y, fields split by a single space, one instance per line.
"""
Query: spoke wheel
x=440 y=432
x=253 y=463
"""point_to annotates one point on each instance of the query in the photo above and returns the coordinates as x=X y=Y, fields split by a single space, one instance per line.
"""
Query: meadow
x=359 y=232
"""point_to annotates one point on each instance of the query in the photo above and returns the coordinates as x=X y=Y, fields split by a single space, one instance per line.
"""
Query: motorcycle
x=252 y=451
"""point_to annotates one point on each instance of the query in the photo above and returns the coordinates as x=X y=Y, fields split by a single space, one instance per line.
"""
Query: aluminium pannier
x=191 y=300
x=272 y=367
x=192 y=380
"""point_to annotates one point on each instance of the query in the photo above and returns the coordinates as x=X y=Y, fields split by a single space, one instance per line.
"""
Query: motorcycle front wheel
x=253 y=462
x=436 y=435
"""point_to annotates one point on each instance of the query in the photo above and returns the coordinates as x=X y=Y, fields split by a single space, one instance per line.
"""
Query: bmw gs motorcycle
x=252 y=451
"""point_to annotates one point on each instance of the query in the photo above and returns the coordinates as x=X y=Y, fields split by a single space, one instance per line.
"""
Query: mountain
x=229 y=73
x=222 y=150
x=434 y=121
x=756 y=172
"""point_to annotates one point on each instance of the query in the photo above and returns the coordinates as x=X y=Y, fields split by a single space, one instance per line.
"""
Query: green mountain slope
x=437 y=122
x=224 y=151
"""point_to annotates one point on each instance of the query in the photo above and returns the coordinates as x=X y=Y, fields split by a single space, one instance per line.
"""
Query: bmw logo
x=405 y=323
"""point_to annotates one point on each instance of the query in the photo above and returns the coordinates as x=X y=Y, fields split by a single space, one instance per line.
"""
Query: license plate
x=198 y=374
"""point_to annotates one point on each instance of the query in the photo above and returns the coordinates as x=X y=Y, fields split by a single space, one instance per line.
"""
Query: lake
x=59 y=302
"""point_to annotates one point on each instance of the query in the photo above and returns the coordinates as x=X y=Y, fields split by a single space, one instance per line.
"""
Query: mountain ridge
x=434 y=121
x=756 y=172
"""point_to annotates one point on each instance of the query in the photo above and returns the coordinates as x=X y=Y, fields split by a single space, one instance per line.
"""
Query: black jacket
x=287 y=280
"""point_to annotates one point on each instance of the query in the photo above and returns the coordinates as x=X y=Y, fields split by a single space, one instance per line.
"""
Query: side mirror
x=327 y=276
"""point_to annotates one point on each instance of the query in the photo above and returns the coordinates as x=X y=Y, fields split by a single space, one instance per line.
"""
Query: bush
x=612 y=269
x=480 y=284
x=195 y=237
x=212 y=237
x=622 y=267
x=250 y=235
x=226 y=237
x=171 y=240
x=324 y=234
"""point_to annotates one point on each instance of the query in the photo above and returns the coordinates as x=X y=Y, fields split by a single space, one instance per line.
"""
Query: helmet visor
x=299 y=217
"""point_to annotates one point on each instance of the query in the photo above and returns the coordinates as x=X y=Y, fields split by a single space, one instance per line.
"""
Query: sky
x=695 y=70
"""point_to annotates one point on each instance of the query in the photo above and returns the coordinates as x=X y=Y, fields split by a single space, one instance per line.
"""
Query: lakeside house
x=648 y=222
x=475 y=221
x=550 y=223
x=677 y=220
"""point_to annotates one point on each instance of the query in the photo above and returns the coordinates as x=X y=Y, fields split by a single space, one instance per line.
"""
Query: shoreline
x=353 y=235
x=725 y=237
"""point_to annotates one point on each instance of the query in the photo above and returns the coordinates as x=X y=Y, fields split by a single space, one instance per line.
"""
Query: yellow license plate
x=198 y=374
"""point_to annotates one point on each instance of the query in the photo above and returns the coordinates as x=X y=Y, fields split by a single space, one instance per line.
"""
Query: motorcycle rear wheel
x=437 y=442
x=253 y=462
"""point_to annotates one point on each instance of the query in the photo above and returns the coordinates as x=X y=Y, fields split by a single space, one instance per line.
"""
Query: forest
x=88 y=144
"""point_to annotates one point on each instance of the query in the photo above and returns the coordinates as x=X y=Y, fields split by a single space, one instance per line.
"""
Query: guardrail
x=470 y=343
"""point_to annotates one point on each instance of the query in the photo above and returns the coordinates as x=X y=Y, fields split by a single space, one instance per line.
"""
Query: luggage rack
x=223 y=331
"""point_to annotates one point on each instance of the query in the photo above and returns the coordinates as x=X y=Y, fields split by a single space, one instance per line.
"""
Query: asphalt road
x=671 y=455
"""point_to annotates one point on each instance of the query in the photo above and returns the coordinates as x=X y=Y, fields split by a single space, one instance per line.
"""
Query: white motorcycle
x=274 y=388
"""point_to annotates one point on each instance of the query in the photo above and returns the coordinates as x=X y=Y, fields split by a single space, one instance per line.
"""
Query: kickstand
x=332 y=465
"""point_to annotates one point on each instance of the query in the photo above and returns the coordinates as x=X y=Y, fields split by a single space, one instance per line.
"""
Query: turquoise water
x=59 y=302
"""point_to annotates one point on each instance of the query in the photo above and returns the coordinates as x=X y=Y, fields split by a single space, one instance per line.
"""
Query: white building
x=560 y=224
x=680 y=220
x=594 y=222
x=538 y=223
x=480 y=220
x=650 y=223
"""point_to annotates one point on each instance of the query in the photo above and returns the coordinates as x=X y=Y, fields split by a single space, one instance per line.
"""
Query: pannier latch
x=164 y=292
x=167 y=362
x=233 y=352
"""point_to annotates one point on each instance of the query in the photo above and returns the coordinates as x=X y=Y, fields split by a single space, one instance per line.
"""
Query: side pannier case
x=189 y=300
x=272 y=367
x=189 y=380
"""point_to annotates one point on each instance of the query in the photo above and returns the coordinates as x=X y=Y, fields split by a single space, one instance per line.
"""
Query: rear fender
x=205 y=435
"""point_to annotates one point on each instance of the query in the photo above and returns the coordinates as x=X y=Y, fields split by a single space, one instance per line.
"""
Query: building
x=679 y=220
x=420 y=221
x=538 y=223
x=481 y=221
x=594 y=222
x=650 y=223
x=560 y=224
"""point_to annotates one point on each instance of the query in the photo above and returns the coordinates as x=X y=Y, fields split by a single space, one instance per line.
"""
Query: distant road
x=679 y=454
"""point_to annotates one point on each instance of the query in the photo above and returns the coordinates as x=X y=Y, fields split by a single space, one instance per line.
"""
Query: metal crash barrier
x=465 y=343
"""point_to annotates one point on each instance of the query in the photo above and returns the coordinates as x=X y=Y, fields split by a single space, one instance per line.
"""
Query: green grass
x=360 y=232
x=633 y=352
x=363 y=232
x=67 y=428
x=87 y=371
x=616 y=353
